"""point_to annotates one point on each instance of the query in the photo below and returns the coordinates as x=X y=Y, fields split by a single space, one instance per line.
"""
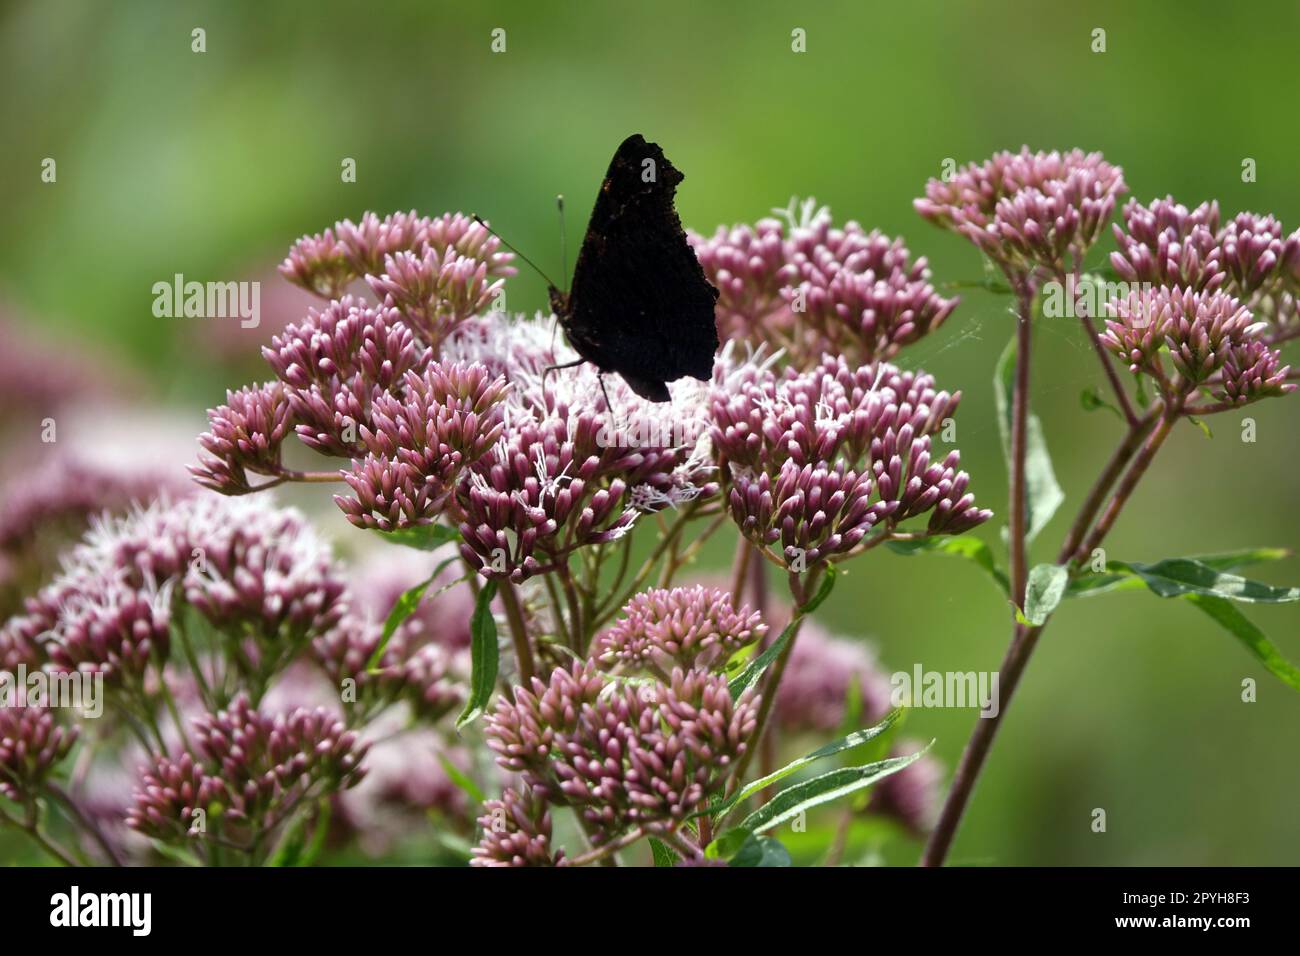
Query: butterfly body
x=640 y=305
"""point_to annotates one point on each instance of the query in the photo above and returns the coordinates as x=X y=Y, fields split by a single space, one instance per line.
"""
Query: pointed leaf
x=823 y=591
x=664 y=855
x=748 y=677
x=789 y=803
x=425 y=537
x=727 y=843
x=1232 y=560
x=761 y=851
x=404 y=607
x=1043 y=591
x=461 y=779
x=1090 y=400
x=847 y=742
x=1238 y=625
x=484 y=656
x=971 y=548
x=1174 y=577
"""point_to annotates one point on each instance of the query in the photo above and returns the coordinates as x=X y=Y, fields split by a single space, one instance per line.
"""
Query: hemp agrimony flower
x=799 y=283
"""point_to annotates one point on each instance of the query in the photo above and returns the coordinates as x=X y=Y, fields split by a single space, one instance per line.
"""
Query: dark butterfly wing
x=640 y=304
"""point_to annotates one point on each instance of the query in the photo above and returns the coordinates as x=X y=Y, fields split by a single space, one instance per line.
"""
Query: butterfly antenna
x=530 y=262
x=564 y=246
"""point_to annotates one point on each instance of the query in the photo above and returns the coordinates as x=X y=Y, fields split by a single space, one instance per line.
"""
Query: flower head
x=516 y=832
x=750 y=268
x=319 y=264
x=171 y=793
x=435 y=292
x=1198 y=334
x=325 y=264
x=551 y=487
x=1165 y=243
x=803 y=284
x=815 y=461
x=32 y=744
x=418 y=442
x=243 y=435
x=623 y=754
x=1255 y=254
x=335 y=363
x=413 y=670
x=1251 y=371
x=241 y=563
x=1028 y=211
x=688 y=627
x=256 y=765
x=50 y=507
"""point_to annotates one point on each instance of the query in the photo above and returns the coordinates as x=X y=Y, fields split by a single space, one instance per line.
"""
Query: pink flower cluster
x=814 y=462
x=1030 y=213
x=802 y=284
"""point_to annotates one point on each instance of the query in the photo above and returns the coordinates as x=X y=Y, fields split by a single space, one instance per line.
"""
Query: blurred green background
x=210 y=164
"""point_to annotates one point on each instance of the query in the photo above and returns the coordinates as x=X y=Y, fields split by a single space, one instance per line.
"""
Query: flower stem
x=799 y=592
x=32 y=828
x=740 y=569
x=87 y=824
x=1019 y=421
x=1133 y=476
x=604 y=854
x=1105 y=481
x=1090 y=328
x=1026 y=637
x=518 y=633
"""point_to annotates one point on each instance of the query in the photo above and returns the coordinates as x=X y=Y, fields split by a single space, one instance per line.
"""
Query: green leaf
x=823 y=591
x=793 y=801
x=1205 y=428
x=1044 y=590
x=175 y=853
x=970 y=548
x=664 y=855
x=1237 y=624
x=1090 y=400
x=755 y=668
x=403 y=608
x=461 y=779
x=727 y=843
x=1174 y=577
x=761 y=851
x=425 y=537
x=748 y=677
x=321 y=832
x=294 y=849
x=484 y=656
x=1043 y=495
x=847 y=742
x=1232 y=560
x=1090 y=583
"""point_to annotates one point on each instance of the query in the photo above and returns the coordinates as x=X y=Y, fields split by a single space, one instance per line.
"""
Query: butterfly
x=640 y=305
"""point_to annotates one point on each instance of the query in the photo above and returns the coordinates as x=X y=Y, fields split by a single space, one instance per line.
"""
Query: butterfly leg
x=556 y=368
x=609 y=406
